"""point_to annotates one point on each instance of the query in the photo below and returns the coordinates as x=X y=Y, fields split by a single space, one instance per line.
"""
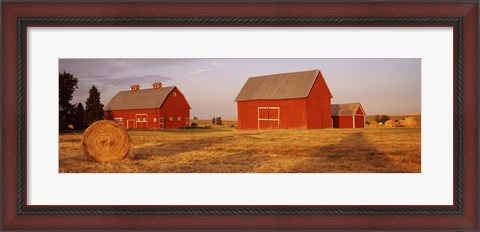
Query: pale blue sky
x=383 y=86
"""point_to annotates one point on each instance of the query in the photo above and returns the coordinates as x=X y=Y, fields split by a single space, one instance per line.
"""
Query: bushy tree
x=66 y=87
x=213 y=121
x=384 y=118
x=218 y=121
x=93 y=107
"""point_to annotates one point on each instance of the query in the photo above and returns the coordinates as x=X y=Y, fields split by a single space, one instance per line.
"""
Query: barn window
x=138 y=120
x=179 y=119
x=119 y=120
x=170 y=119
x=174 y=94
x=144 y=119
x=154 y=119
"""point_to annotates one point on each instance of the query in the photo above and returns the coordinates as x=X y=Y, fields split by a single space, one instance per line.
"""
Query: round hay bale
x=105 y=141
x=401 y=123
x=373 y=124
x=389 y=124
x=410 y=122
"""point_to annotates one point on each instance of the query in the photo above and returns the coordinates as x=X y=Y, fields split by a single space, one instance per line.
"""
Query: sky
x=382 y=86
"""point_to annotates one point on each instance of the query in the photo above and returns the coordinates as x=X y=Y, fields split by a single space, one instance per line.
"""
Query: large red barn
x=349 y=115
x=284 y=101
x=156 y=108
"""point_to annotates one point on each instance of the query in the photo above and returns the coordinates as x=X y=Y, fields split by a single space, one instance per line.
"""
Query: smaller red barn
x=349 y=115
x=156 y=108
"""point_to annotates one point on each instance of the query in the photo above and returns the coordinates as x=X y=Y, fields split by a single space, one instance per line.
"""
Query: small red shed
x=349 y=115
x=284 y=101
x=156 y=108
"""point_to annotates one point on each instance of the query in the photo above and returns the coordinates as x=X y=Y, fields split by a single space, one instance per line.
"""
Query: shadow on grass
x=354 y=153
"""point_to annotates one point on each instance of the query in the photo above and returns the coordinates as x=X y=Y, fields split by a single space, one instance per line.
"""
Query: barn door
x=161 y=123
x=141 y=120
x=274 y=117
x=268 y=118
x=130 y=124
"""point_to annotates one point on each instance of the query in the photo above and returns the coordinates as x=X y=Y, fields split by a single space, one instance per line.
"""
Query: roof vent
x=157 y=85
x=134 y=88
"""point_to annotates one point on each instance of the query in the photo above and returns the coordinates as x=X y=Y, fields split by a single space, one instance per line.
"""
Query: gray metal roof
x=140 y=99
x=278 y=86
x=347 y=109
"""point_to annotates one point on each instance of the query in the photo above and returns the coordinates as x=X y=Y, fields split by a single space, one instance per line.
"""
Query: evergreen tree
x=67 y=85
x=79 y=117
x=93 y=107
x=213 y=121
x=377 y=118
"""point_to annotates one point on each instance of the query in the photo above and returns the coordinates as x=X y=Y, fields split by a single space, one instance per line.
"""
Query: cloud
x=113 y=75
x=198 y=71
x=209 y=68
x=218 y=65
x=109 y=85
x=124 y=83
x=115 y=66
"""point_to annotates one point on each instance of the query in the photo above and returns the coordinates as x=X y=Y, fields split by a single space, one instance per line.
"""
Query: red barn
x=349 y=115
x=156 y=108
x=284 y=101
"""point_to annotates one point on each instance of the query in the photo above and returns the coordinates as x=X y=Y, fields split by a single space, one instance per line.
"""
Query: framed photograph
x=258 y=115
x=299 y=121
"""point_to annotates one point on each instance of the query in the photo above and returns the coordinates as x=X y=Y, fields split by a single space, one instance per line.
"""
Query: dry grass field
x=224 y=149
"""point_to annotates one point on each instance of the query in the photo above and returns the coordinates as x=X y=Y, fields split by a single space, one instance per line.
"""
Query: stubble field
x=227 y=150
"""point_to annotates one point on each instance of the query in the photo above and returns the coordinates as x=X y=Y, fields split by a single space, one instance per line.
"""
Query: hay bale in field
x=105 y=141
x=373 y=124
x=401 y=123
x=389 y=124
x=410 y=122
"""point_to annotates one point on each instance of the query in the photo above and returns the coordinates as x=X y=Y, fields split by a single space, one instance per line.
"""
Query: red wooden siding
x=175 y=112
x=359 y=119
x=175 y=107
x=298 y=113
x=335 y=122
x=131 y=115
x=292 y=114
x=342 y=121
x=318 y=105
x=347 y=121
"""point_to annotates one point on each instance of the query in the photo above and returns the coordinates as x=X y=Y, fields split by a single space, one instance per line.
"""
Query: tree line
x=76 y=114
